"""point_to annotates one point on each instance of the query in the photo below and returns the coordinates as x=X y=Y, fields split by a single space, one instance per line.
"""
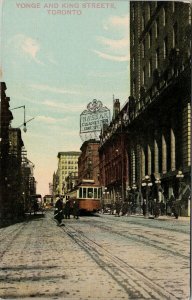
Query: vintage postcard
x=95 y=144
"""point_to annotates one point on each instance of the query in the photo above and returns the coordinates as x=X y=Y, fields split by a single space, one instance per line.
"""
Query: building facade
x=88 y=162
x=16 y=172
x=113 y=157
x=159 y=107
x=67 y=170
x=5 y=120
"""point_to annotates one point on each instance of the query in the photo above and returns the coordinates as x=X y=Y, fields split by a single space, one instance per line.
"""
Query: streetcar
x=48 y=201
x=36 y=204
x=88 y=195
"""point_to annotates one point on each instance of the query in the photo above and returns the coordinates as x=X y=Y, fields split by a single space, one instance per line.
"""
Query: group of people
x=155 y=208
x=64 y=210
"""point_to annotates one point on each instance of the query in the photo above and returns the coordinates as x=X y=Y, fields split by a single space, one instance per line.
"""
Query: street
x=95 y=257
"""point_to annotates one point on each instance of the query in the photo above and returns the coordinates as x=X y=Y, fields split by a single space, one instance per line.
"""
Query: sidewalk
x=164 y=217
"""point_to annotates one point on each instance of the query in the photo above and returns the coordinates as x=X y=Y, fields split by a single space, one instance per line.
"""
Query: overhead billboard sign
x=93 y=118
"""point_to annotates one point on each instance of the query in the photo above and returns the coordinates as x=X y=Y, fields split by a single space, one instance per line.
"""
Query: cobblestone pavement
x=98 y=257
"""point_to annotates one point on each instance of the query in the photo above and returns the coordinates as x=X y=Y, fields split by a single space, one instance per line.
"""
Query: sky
x=55 y=63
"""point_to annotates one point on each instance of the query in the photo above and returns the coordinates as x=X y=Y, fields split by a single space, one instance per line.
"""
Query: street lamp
x=180 y=176
x=147 y=183
x=24 y=122
x=158 y=182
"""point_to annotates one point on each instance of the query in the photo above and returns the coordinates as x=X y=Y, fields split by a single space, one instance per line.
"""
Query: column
x=164 y=154
x=156 y=157
x=149 y=159
x=142 y=163
x=173 y=166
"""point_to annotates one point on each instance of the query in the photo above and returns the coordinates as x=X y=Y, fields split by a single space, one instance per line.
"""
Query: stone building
x=159 y=107
x=67 y=170
x=88 y=162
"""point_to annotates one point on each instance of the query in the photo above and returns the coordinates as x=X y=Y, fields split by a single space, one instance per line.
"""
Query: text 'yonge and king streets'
x=65 y=8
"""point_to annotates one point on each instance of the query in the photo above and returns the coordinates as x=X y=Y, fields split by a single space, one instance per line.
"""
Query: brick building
x=88 y=162
x=113 y=157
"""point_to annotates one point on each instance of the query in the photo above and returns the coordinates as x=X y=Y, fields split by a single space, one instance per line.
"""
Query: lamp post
x=134 y=187
x=158 y=182
x=147 y=183
x=129 y=203
x=180 y=176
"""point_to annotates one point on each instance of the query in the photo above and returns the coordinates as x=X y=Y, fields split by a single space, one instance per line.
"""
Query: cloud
x=46 y=119
x=27 y=45
x=56 y=90
x=114 y=44
x=116 y=49
x=50 y=120
x=111 y=57
x=117 y=22
x=68 y=107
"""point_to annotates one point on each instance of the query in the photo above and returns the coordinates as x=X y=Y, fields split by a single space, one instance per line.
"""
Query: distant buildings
x=88 y=163
x=67 y=172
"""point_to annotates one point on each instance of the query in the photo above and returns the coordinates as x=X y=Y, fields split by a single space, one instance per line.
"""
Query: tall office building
x=159 y=106
x=67 y=170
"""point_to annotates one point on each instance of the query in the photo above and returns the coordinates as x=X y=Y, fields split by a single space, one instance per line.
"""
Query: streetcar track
x=124 y=274
x=180 y=230
x=12 y=236
x=141 y=239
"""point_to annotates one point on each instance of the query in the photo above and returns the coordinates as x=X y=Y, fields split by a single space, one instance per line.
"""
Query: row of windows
x=149 y=11
x=69 y=162
x=70 y=157
x=148 y=42
x=90 y=192
x=70 y=167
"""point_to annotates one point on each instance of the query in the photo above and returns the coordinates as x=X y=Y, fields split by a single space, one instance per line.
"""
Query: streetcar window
x=80 y=192
x=95 y=193
x=84 y=193
x=90 y=192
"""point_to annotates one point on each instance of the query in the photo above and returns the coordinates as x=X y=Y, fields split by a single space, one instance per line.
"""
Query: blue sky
x=55 y=65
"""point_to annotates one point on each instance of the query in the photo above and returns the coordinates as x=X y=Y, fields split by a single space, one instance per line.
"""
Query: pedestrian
x=176 y=208
x=125 y=208
x=162 y=208
x=76 y=209
x=67 y=209
x=144 y=207
x=58 y=213
x=118 y=208
x=156 y=208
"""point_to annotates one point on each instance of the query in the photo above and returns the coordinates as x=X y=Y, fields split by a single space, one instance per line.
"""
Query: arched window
x=165 y=47
x=150 y=67
x=143 y=49
x=164 y=17
x=143 y=22
x=143 y=76
x=175 y=35
x=133 y=63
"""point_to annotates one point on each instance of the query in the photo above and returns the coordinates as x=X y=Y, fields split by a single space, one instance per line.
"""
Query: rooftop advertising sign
x=92 y=119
